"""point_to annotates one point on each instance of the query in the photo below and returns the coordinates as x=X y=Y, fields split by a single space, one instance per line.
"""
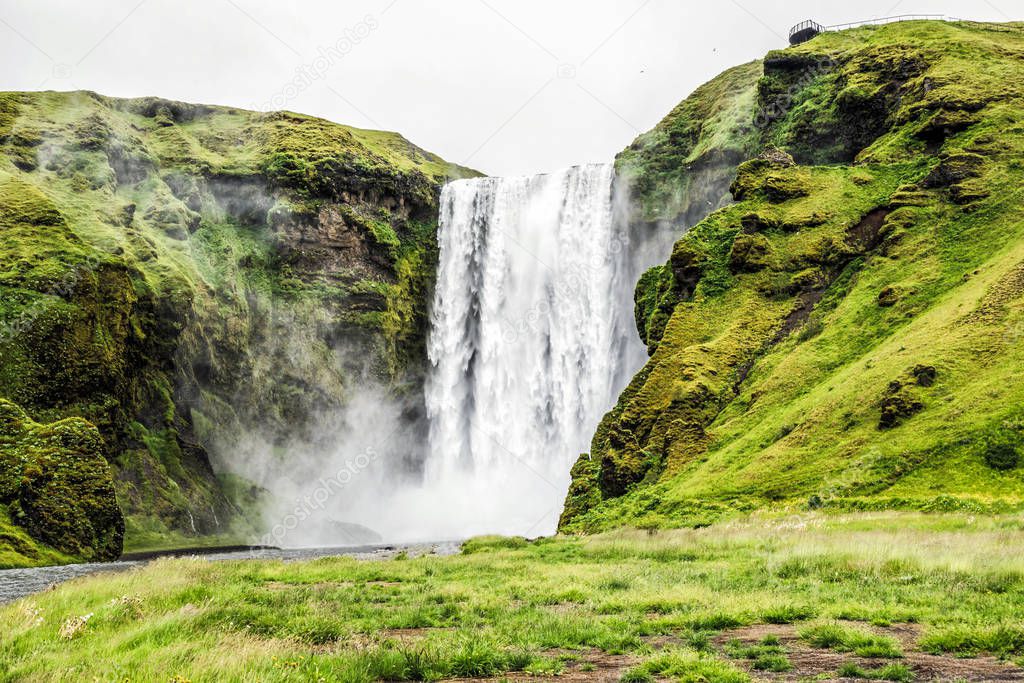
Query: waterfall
x=532 y=338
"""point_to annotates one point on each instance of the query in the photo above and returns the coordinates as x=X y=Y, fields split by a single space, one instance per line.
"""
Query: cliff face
x=174 y=274
x=846 y=333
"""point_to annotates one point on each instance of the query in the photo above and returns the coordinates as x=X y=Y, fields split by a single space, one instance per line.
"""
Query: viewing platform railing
x=806 y=30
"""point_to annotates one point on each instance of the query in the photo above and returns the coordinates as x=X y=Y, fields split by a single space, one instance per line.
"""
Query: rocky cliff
x=173 y=274
x=844 y=329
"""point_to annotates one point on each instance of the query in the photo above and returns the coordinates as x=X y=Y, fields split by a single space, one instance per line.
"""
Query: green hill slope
x=848 y=332
x=176 y=273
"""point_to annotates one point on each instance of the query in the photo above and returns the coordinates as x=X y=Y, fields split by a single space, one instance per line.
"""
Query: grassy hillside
x=847 y=334
x=175 y=273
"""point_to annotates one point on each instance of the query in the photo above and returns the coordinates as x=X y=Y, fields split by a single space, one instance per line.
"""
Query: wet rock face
x=56 y=480
x=331 y=241
x=239 y=271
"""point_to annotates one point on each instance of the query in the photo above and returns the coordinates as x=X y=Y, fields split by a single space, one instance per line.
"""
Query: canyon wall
x=178 y=276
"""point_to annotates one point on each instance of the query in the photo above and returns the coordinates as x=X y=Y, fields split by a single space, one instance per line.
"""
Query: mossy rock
x=925 y=375
x=59 y=481
x=773 y=175
x=619 y=470
x=24 y=203
x=655 y=296
x=955 y=168
x=946 y=123
x=584 y=491
x=969 y=192
x=960 y=173
x=750 y=253
x=1002 y=449
x=889 y=296
x=759 y=222
x=781 y=187
x=810 y=279
x=687 y=262
x=12 y=419
x=903 y=397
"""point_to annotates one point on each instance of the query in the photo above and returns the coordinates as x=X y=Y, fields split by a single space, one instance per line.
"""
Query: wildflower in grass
x=33 y=615
x=74 y=626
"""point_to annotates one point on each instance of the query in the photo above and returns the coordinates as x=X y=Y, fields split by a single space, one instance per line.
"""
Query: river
x=17 y=583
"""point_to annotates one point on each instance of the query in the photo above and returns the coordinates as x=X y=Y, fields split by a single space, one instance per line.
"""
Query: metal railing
x=808 y=29
x=805 y=25
x=891 y=20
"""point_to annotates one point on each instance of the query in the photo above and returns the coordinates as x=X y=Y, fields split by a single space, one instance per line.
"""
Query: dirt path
x=809 y=662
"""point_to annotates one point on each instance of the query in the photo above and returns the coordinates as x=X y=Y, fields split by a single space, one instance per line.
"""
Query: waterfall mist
x=532 y=339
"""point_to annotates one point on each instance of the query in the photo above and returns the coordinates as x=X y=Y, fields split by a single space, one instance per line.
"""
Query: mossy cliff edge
x=174 y=273
x=847 y=332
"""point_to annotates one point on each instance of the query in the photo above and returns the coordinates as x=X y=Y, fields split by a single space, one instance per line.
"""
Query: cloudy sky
x=505 y=86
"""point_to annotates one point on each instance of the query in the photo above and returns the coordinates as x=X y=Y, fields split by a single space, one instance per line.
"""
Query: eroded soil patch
x=810 y=662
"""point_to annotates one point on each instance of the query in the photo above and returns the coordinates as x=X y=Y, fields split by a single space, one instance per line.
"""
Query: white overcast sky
x=505 y=86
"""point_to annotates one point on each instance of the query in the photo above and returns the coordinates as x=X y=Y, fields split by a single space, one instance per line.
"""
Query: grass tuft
x=843 y=639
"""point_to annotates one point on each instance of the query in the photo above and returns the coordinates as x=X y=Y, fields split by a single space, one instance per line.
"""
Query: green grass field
x=895 y=596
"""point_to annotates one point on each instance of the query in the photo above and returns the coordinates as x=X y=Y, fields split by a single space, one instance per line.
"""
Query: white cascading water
x=532 y=339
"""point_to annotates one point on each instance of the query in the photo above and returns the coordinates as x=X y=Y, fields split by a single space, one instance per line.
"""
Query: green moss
x=18 y=549
x=58 y=484
x=584 y=489
x=1002 y=449
x=796 y=369
x=750 y=253
x=158 y=258
x=670 y=167
x=24 y=204
x=655 y=297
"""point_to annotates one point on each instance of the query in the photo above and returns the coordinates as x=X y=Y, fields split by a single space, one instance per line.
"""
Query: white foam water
x=532 y=338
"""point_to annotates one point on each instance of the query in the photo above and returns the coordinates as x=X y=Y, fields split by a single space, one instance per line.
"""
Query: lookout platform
x=806 y=30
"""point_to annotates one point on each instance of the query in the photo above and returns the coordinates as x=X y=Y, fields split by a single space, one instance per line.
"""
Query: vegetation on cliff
x=847 y=333
x=170 y=271
x=675 y=171
x=56 y=485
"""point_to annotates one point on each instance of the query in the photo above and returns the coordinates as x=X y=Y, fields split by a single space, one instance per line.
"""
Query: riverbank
x=22 y=582
x=887 y=595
